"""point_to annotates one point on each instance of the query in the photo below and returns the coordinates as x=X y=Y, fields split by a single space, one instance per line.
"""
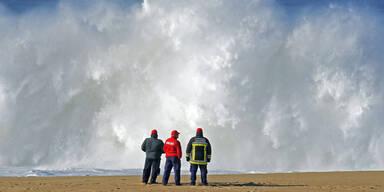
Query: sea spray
x=84 y=87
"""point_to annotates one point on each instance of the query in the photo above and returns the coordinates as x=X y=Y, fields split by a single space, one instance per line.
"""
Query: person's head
x=154 y=133
x=199 y=132
x=175 y=134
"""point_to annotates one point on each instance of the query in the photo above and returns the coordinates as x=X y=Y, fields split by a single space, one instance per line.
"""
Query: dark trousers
x=203 y=171
x=169 y=163
x=155 y=164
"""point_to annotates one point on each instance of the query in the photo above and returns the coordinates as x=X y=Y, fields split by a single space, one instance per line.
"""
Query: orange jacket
x=172 y=148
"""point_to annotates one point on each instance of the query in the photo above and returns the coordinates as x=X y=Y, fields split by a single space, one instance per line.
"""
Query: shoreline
x=353 y=181
x=20 y=172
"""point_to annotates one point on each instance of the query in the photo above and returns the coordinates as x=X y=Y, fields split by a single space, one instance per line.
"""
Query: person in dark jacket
x=173 y=154
x=153 y=148
x=198 y=154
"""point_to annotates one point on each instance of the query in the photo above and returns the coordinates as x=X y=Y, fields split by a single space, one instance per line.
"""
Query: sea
x=276 y=85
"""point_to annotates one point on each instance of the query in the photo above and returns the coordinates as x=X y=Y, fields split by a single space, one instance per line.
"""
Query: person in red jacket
x=172 y=149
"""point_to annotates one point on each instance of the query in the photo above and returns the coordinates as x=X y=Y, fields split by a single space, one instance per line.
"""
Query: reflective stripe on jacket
x=199 y=150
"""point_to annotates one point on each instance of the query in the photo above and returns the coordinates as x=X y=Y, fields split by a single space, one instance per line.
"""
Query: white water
x=82 y=87
x=28 y=172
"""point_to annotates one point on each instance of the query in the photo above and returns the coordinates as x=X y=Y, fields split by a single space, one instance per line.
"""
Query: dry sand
x=329 y=181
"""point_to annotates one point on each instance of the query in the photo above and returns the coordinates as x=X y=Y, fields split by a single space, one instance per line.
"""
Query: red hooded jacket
x=172 y=148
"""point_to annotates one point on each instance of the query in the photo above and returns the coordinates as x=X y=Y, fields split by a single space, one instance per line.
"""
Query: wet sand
x=287 y=182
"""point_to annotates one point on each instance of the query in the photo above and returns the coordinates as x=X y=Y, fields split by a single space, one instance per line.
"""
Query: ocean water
x=28 y=172
x=277 y=86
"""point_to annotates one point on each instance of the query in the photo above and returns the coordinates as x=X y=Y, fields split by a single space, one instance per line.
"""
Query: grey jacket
x=153 y=147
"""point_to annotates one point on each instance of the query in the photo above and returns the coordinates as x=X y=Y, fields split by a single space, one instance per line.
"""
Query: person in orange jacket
x=172 y=149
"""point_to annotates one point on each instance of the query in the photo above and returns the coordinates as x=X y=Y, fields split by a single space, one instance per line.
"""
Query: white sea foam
x=84 y=87
x=28 y=172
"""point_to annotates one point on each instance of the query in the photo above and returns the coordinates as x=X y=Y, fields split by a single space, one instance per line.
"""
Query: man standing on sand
x=172 y=149
x=199 y=149
x=153 y=148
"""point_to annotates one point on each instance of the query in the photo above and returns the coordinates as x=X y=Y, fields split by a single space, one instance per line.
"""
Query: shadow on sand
x=250 y=184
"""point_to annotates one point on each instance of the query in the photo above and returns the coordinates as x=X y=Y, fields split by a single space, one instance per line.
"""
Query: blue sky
x=21 y=6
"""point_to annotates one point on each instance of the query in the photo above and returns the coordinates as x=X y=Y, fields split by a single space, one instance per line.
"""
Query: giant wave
x=82 y=87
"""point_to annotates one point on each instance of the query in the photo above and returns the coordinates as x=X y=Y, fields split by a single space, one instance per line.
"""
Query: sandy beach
x=320 y=181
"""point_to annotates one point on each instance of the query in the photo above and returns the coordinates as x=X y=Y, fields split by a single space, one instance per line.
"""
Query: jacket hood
x=154 y=135
x=199 y=134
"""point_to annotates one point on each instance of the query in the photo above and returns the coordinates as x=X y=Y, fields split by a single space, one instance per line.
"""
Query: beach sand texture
x=325 y=181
